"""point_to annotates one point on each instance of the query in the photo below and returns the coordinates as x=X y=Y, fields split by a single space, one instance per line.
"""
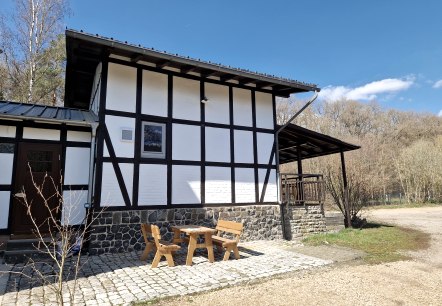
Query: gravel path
x=412 y=282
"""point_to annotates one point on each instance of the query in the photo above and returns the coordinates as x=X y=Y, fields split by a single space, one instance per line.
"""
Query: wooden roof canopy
x=85 y=51
x=297 y=143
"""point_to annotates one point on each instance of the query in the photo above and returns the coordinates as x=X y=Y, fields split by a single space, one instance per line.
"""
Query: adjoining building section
x=178 y=141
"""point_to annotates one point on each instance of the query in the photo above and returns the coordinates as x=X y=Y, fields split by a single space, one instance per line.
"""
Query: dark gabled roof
x=47 y=113
x=294 y=140
x=85 y=51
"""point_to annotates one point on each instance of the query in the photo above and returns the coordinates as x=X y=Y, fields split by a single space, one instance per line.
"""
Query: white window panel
x=271 y=189
x=153 y=185
x=46 y=134
x=264 y=145
x=78 y=136
x=4 y=208
x=217 y=145
x=110 y=189
x=186 y=142
x=121 y=88
x=77 y=166
x=154 y=100
x=243 y=146
x=73 y=212
x=264 y=110
x=217 y=108
x=7 y=131
x=186 y=185
x=186 y=99
x=242 y=107
x=245 y=185
x=6 y=162
x=114 y=125
x=218 y=185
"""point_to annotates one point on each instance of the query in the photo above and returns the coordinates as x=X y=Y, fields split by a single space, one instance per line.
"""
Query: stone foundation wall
x=119 y=231
x=302 y=221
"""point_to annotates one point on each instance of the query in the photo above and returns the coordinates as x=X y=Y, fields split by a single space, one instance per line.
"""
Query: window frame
x=150 y=154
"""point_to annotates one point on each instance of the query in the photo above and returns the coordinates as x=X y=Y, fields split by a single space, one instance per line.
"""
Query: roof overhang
x=85 y=51
x=42 y=113
x=297 y=143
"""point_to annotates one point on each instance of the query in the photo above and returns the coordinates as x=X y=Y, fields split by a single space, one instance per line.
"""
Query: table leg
x=191 y=249
x=209 y=246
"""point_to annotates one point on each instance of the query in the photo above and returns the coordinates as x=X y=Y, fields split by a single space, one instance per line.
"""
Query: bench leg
x=146 y=251
x=169 y=259
x=156 y=259
x=236 y=252
x=227 y=253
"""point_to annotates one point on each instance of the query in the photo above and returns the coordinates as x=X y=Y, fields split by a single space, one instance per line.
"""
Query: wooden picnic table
x=194 y=231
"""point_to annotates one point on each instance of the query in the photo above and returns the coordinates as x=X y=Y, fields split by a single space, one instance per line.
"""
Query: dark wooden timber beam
x=136 y=59
x=187 y=69
x=163 y=64
x=211 y=74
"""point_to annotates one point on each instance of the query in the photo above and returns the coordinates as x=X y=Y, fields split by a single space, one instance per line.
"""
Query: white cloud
x=440 y=113
x=368 y=91
x=438 y=84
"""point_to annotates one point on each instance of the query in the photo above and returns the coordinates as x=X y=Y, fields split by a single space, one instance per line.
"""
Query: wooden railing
x=302 y=189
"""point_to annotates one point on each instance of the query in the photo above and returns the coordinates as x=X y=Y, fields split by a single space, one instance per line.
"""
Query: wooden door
x=39 y=163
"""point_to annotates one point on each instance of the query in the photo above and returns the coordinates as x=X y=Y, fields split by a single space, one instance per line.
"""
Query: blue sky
x=388 y=51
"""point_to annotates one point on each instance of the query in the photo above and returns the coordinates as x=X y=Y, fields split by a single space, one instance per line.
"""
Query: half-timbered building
x=150 y=136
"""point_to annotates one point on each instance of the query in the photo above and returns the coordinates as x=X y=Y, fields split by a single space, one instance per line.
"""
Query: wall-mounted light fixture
x=204 y=100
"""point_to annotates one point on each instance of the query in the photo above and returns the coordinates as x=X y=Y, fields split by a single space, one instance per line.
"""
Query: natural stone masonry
x=303 y=221
x=115 y=279
x=119 y=231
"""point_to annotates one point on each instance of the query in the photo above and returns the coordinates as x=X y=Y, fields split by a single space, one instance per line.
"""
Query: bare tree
x=27 y=36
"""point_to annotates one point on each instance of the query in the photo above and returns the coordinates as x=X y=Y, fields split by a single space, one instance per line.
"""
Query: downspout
x=278 y=179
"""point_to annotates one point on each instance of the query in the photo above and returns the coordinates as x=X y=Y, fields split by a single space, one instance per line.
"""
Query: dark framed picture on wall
x=153 y=140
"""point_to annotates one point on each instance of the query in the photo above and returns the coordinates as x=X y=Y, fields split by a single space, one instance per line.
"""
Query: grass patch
x=381 y=243
x=404 y=205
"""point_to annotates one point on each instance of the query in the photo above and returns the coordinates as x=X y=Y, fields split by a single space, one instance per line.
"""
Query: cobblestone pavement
x=115 y=279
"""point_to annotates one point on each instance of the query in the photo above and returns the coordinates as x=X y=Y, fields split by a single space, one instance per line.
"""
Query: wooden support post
x=300 y=184
x=344 y=178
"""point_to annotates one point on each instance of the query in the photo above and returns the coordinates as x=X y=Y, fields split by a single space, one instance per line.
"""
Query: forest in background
x=400 y=155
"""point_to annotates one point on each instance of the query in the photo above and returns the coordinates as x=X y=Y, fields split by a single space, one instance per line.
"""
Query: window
x=40 y=161
x=153 y=140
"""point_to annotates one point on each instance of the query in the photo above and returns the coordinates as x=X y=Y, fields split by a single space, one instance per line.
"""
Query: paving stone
x=126 y=279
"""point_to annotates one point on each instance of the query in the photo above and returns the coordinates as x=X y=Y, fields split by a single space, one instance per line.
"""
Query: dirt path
x=412 y=282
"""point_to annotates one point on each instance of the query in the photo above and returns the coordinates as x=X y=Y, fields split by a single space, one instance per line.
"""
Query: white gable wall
x=185 y=128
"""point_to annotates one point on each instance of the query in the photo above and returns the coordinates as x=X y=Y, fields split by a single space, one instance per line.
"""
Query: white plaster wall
x=96 y=86
x=78 y=136
x=46 y=134
x=186 y=142
x=4 y=208
x=114 y=125
x=245 y=185
x=110 y=190
x=218 y=185
x=77 y=166
x=154 y=94
x=243 y=146
x=217 y=144
x=264 y=146
x=217 y=109
x=7 y=131
x=271 y=190
x=186 y=99
x=6 y=161
x=152 y=185
x=242 y=107
x=186 y=184
x=121 y=88
x=73 y=212
x=264 y=110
